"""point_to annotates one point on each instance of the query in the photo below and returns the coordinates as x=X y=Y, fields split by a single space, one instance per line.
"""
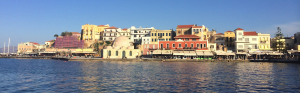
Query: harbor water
x=44 y=75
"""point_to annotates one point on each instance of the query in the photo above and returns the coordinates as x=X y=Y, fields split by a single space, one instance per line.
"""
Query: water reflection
x=59 y=76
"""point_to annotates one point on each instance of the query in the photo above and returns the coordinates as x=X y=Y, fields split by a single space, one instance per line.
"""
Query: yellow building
x=162 y=35
x=288 y=43
x=92 y=32
x=264 y=41
x=200 y=31
x=229 y=37
x=121 y=48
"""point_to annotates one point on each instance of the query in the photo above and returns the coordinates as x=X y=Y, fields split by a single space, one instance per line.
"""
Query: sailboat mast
x=8 y=46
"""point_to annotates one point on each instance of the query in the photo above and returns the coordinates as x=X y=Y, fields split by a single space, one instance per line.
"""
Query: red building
x=68 y=42
x=184 y=42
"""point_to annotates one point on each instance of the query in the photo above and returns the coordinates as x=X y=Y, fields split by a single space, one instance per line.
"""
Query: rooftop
x=197 y=27
x=239 y=29
x=184 y=26
x=187 y=36
x=112 y=27
x=228 y=31
x=250 y=33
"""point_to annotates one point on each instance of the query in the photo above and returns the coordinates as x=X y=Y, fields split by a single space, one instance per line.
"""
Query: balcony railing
x=263 y=41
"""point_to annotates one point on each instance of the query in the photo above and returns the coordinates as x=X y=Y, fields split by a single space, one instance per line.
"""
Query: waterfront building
x=49 y=43
x=246 y=41
x=155 y=36
x=138 y=33
x=31 y=48
x=68 y=42
x=229 y=37
x=297 y=41
x=111 y=33
x=184 y=46
x=288 y=43
x=264 y=42
x=121 y=48
x=162 y=35
x=91 y=32
x=125 y=32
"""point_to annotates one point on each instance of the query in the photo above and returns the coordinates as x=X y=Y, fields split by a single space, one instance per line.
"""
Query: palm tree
x=56 y=35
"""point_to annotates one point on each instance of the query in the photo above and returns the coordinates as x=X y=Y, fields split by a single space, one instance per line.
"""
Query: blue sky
x=38 y=20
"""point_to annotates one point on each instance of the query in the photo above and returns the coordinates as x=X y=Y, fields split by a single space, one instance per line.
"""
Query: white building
x=138 y=33
x=146 y=40
x=111 y=33
x=246 y=41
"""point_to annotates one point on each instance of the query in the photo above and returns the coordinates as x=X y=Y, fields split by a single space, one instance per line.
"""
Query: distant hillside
x=10 y=49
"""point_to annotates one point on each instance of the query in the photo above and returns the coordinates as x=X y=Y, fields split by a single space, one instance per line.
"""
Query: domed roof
x=121 y=41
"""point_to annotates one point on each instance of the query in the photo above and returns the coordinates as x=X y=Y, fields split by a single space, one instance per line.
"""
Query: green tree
x=278 y=45
x=56 y=35
x=63 y=34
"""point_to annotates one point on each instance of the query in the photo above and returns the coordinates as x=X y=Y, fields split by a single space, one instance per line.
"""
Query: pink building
x=148 y=49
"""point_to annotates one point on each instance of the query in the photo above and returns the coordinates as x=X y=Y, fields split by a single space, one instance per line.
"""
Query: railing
x=263 y=41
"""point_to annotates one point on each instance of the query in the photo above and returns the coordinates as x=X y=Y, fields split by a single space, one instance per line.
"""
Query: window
x=192 y=45
x=193 y=39
x=147 y=46
x=173 y=45
x=134 y=35
x=247 y=39
x=158 y=34
x=152 y=34
x=166 y=34
x=155 y=40
x=116 y=53
x=201 y=46
x=240 y=33
x=197 y=45
x=169 y=39
x=185 y=45
x=204 y=45
x=167 y=45
x=179 y=45
x=161 y=46
x=253 y=39
x=186 y=39
x=240 y=39
x=152 y=40
x=169 y=34
x=147 y=52
x=130 y=53
x=109 y=53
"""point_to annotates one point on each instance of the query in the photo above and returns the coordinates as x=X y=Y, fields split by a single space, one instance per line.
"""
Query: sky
x=38 y=20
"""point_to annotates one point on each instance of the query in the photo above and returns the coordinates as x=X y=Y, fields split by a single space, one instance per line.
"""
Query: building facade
x=264 y=41
x=111 y=33
x=184 y=30
x=68 y=42
x=121 y=48
x=138 y=33
x=229 y=37
x=200 y=31
x=246 y=41
x=91 y=32
x=162 y=35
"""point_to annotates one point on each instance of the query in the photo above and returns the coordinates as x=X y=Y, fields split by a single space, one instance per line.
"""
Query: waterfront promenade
x=155 y=59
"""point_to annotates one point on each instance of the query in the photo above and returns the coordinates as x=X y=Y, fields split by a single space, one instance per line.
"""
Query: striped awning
x=156 y=52
x=178 y=53
x=190 y=53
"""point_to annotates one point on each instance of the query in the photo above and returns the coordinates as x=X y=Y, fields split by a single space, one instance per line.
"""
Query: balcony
x=263 y=42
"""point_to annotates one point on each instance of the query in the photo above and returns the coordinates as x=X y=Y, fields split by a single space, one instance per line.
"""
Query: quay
x=157 y=59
